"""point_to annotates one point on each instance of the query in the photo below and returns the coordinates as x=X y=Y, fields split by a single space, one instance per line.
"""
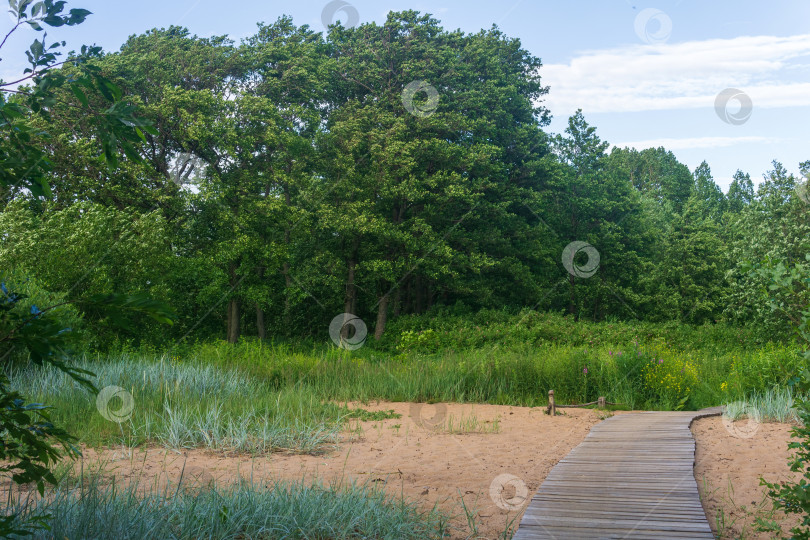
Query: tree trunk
x=233 y=308
x=288 y=287
x=417 y=291
x=261 y=333
x=349 y=300
x=382 y=316
x=260 y=330
x=233 y=320
x=286 y=266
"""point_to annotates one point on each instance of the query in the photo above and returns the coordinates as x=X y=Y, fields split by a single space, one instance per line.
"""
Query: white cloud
x=773 y=71
x=695 y=142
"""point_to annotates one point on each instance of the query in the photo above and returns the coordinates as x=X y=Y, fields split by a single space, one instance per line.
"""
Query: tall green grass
x=263 y=396
x=638 y=374
x=184 y=405
x=88 y=508
x=777 y=405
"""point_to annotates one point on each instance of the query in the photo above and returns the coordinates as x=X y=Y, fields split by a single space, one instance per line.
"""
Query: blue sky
x=644 y=73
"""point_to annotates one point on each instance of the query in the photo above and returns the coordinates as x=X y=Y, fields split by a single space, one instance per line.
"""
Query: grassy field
x=260 y=397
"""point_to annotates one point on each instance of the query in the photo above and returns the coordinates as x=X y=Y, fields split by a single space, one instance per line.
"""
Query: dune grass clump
x=90 y=508
x=184 y=406
x=775 y=405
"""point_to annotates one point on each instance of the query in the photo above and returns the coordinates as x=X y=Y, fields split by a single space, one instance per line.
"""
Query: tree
x=740 y=192
x=707 y=194
x=401 y=186
x=28 y=445
x=690 y=276
x=596 y=203
x=773 y=227
x=656 y=172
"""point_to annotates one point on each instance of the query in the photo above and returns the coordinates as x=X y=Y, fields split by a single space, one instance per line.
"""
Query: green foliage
x=515 y=360
x=314 y=195
x=128 y=254
x=27 y=447
x=90 y=507
x=365 y=415
x=788 y=292
x=670 y=379
x=657 y=173
x=28 y=451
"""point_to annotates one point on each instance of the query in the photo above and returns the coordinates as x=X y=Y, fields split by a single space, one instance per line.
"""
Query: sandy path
x=729 y=460
x=405 y=456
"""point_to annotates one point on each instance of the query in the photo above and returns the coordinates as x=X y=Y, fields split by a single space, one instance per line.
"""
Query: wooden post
x=552 y=407
x=601 y=403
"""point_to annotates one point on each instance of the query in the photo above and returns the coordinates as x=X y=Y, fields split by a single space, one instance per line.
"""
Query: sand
x=729 y=461
x=494 y=473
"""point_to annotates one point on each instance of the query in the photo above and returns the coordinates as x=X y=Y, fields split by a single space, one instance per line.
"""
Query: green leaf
x=80 y=95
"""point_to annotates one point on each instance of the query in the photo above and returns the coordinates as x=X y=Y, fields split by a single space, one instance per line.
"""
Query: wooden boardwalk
x=631 y=477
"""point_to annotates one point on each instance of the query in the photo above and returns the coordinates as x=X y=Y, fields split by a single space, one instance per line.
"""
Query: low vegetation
x=92 y=508
x=258 y=397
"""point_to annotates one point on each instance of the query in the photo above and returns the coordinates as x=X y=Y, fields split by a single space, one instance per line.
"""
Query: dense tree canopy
x=381 y=170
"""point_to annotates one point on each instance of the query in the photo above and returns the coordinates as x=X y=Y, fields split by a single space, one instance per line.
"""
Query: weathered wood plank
x=632 y=477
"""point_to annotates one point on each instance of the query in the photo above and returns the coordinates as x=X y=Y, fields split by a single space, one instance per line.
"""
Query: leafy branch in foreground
x=23 y=163
x=29 y=441
x=788 y=292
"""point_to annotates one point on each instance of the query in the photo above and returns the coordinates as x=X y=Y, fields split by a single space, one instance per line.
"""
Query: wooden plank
x=632 y=477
